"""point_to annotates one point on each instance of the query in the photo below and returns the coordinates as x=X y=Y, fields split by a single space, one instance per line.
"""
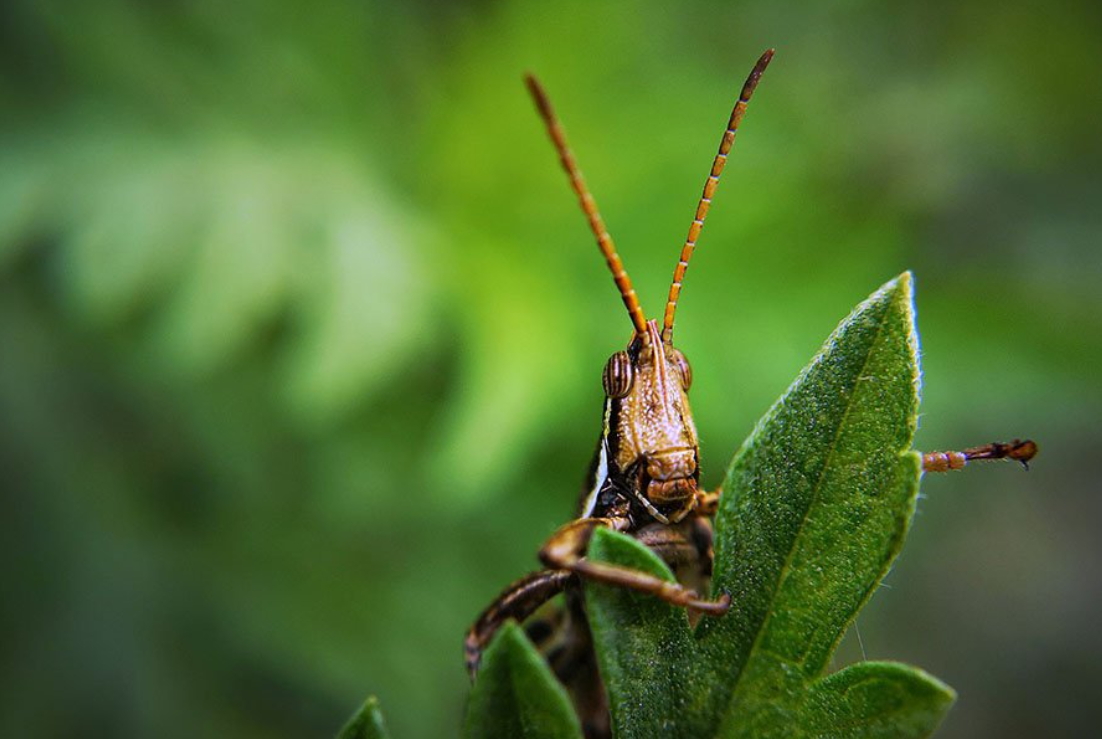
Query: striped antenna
x=589 y=206
x=709 y=190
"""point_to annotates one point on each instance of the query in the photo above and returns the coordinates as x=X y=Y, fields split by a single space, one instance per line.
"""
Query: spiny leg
x=566 y=550
x=518 y=601
x=1018 y=450
x=707 y=502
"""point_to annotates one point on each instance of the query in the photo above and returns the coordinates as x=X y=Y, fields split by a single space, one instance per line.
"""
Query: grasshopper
x=645 y=476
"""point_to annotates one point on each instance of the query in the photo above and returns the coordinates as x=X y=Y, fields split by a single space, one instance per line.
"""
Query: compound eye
x=618 y=375
x=683 y=366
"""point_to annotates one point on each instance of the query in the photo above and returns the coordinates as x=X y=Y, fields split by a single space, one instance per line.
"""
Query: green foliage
x=516 y=695
x=366 y=723
x=814 y=510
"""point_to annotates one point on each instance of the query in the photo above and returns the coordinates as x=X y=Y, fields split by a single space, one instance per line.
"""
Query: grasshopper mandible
x=645 y=476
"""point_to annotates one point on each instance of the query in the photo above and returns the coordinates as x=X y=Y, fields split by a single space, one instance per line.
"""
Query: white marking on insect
x=602 y=465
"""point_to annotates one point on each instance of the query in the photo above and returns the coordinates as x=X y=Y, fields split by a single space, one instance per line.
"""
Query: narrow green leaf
x=643 y=644
x=876 y=699
x=815 y=508
x=516 y=695
x=366 y=723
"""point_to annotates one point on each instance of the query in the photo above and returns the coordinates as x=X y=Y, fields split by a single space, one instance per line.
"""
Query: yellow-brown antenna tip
x=543 y=103
x=756 y=73
x=710 y=184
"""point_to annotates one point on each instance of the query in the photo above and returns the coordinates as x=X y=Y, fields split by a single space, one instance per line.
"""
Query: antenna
x=589 y=206
x=709 y=190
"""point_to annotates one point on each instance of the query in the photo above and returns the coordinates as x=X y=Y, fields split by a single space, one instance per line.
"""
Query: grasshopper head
x=651 y=439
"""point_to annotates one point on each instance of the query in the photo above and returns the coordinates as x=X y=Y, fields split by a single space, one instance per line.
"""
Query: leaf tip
x=620 y=549
x=366 y=723
x=512 y=632
x=899 y=293
x=901 y=287
x=906 y=281
x=516 y=693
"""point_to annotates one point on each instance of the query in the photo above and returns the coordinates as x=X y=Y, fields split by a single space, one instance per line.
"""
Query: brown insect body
x=645 y=476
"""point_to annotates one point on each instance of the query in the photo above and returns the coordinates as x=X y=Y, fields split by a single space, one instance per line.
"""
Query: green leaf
x=876 y=699
x=642 y=642
x=516 y=695
x=366 y=723
x=814 y=510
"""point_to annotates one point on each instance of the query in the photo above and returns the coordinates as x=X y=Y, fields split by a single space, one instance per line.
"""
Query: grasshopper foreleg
x=566 y=550
x=707 y=502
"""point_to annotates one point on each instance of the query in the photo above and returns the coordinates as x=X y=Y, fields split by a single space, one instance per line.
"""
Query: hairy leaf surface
x=814 y=510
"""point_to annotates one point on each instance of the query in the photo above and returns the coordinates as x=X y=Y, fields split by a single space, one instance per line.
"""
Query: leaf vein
x=811 y=505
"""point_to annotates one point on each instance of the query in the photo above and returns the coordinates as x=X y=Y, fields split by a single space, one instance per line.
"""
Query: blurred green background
x=301 y=330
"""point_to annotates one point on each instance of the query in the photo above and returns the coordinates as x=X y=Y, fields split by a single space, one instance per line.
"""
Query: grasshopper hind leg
x=1019 y=450
x=518 y=601
x=561 y=633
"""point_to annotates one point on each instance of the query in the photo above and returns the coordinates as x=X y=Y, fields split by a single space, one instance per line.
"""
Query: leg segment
x=707 y=502
x=686 y=548
x=1018 y=450
x=566 y=550
x=518 y=601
